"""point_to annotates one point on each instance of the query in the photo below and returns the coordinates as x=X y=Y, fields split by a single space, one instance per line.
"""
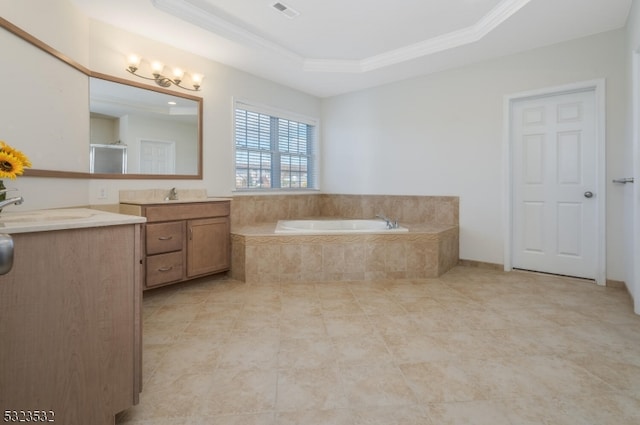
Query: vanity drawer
x=164 y=268
x=164 y=237
x=186 y=211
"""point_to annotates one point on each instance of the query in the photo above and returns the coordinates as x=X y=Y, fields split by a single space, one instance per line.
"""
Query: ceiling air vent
x=285 y=10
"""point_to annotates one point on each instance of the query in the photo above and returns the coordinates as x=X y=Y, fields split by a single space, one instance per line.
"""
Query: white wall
x=103 y=48
x=441 y=134
x=437 y=134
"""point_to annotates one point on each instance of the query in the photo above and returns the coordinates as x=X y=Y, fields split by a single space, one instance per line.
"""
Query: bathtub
x=326 y=227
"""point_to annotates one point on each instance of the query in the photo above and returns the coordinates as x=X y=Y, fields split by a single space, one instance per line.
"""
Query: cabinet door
x=68 y=314
x=208 y=248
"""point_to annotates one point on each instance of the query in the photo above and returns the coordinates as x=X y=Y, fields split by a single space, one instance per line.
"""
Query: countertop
x=61 y=219
x=170 y=202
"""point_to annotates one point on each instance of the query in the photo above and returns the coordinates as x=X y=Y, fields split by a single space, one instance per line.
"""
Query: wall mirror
x=75 y=123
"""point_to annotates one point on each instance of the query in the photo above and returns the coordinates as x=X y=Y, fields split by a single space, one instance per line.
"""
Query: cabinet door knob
x=165 y=269
x=165 y=238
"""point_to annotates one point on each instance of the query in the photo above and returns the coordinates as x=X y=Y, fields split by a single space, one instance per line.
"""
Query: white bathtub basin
x=334 y=226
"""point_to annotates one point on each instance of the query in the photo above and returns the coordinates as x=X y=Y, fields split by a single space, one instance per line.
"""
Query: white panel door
x=157 y=157
x=555 y=226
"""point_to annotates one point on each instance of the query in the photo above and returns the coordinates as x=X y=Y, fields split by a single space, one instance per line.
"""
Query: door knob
x=588 y=194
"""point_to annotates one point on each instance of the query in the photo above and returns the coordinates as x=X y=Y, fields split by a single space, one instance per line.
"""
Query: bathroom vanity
x=183 y=239
x=70 y=316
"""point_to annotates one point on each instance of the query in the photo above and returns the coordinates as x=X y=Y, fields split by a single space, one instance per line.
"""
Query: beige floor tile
x=361 y=350
x=416 y=304
x=394 y=415
x=503 y=378
x=467 y=344
x=316 y=417
x=444 y=381
x=162 y=332
x=537 y=341
x=340 y=306
x=474 y=346
x=483 y=412
x=169 y=397
x=380 y=305
x=377 y=385
x=254 y=419
x=413 y=349
x=560 y=376
x=251 y=350
x=303 y=327
x=436 y=319
x=351 y=325
x=294 y=309
x=236 y=392
x=306 y=353
x=188 y=296
x=404 y=324
x=190 y=355
x=613 y=369
x=611 y=409
x=174 y=313
x=310 y=389
x=252 y=322
x=532 y=410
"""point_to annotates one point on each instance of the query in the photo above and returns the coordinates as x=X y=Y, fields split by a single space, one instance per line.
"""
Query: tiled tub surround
x=429 y=249
x=250 y=210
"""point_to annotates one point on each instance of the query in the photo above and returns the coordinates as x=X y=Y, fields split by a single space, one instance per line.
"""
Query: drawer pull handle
x=165 y=238
x=165 y=269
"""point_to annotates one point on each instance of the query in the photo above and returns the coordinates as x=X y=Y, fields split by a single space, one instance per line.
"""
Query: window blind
x=272 y=152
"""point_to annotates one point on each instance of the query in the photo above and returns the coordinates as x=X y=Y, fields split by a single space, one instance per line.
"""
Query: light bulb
x=178 y=74
x=197 y=79
x=134 y=60
x=157 y=67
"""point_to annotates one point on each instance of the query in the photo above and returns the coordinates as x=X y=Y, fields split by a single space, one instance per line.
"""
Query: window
x=273 y=152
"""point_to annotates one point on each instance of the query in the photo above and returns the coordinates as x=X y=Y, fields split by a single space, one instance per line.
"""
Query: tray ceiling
x=331 y=47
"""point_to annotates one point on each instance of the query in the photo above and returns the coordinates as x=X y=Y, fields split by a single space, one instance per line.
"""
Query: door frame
x=598 y=86
x=634 y=286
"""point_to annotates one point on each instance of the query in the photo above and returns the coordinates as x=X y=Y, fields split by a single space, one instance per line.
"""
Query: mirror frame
x=8 y=26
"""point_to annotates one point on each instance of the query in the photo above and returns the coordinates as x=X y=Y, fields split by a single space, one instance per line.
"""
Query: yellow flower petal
x=16 y=153
x=10 y=166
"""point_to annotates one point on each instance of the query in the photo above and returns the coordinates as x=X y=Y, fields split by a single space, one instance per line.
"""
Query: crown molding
x=206 y=18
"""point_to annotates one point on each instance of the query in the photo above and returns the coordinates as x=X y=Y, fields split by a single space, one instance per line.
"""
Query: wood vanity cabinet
x=70 y=326
x=186 y=240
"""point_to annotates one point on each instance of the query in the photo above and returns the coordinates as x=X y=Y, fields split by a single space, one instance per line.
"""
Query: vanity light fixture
x=156 y=70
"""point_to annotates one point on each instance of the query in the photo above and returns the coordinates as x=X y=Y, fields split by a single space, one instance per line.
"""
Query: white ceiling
x=337 y=46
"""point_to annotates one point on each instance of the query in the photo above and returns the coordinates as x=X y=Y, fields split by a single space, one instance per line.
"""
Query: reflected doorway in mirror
x=157 y=157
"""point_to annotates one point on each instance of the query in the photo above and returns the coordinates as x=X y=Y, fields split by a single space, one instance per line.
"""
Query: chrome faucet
x=173 y=195
x=391 y=224
x=17 y=200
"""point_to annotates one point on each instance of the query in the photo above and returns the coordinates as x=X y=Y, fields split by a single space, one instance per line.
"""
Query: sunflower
x=10 y=166
x=15 y=152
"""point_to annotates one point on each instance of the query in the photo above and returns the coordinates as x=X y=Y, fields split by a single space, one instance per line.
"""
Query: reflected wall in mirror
x=49 y=119
x=160 y=131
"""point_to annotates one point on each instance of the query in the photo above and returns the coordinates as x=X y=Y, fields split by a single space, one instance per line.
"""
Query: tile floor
x=471 y=347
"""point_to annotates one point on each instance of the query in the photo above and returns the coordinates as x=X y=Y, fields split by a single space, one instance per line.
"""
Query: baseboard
x=616 y=284
x=619 y=284
x=481 y=264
